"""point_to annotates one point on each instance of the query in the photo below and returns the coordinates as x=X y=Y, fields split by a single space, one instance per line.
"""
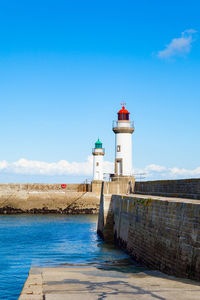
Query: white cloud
x=153 y=171
x=185 y=172
x=64 y=168
x=3 y=164
x=108 y=167
x=179 y=46
x=155 y=168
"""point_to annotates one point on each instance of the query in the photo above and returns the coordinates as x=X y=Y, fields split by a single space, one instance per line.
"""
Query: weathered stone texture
x=44 y=198
x=184 y=188
x=28 y=187
x=121 y=185
x=161 y=233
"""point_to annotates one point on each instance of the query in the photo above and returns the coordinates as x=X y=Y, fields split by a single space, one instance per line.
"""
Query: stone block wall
x=161 y=233
x=105 y=218
x=48 y=198
x=183 y=188
x=28 y=187
x=122 y=186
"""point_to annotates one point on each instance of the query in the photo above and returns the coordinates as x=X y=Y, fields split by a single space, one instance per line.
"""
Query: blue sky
x=65 y=67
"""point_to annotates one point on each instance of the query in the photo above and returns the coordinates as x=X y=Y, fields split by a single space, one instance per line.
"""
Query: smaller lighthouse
x=98 y=154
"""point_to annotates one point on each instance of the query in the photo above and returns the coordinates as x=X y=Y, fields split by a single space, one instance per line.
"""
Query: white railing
x=96 y=150
x=124 y=123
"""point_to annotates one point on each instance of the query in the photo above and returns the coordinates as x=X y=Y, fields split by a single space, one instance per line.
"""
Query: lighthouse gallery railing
x=129 y=124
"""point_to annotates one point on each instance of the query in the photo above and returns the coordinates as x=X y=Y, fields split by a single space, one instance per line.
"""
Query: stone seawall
x=17 y=187
x=162 y=233
x=47 y=198
x=184 y=188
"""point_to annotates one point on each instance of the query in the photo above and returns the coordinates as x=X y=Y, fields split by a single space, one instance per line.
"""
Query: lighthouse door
x=118 y=167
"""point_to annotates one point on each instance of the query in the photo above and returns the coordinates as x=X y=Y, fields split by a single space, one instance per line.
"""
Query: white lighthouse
x=123 y=129
x=98 y=154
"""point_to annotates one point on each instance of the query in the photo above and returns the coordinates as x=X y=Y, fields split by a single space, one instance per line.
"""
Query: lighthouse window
x=118 y=148
x=97 y=164
x=123 y=116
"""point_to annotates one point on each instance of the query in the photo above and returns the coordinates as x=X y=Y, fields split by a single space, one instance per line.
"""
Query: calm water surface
x=51 y=240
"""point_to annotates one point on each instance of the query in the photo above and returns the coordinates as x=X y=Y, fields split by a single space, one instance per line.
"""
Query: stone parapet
x=75 y=187
x=161 y=233
x=182 y=188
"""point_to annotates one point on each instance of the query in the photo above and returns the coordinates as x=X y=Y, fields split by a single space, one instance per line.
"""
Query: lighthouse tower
x=123 y=129
x=98 y=154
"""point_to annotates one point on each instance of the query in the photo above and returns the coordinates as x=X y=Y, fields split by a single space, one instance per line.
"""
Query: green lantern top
x=98 y=144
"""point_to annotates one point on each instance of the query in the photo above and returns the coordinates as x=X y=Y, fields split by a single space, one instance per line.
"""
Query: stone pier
x=161 y=233
x=85 y=283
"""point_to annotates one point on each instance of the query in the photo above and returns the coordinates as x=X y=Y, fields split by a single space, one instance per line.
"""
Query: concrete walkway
x=85 y=283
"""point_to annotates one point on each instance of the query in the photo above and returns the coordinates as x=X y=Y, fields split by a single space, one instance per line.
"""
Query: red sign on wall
x=63 y=186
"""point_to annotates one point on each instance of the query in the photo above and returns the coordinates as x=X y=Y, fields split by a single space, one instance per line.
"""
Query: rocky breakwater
x=45 y=198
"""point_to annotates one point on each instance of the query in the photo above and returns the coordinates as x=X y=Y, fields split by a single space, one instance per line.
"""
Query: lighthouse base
x=96 y=186
x=117 y=185
x=129 y=181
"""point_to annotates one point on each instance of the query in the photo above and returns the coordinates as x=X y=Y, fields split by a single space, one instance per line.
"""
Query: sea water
x=51 y=240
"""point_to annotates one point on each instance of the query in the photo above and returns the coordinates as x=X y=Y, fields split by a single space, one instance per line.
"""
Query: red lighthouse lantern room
x=123 y=114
